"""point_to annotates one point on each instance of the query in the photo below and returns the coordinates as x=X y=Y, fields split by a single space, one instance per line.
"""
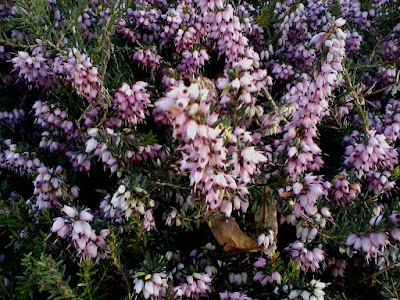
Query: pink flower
x=91 y=144
x=297 y=188
x=91 y=249
x=85 y=215
x=69 y=211
x=260 y=263
x=395 y=233
x=58 y=224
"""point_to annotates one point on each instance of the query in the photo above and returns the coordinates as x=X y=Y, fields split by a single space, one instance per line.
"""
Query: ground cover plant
x=158 y=149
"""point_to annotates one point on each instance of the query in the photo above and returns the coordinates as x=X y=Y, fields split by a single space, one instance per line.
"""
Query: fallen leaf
x=228 y=234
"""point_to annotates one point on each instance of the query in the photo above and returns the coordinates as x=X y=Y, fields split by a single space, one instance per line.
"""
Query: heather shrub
x=217 y=149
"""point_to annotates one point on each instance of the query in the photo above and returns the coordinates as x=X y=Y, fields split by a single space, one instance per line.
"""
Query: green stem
x=360 y=110
x=116 y=262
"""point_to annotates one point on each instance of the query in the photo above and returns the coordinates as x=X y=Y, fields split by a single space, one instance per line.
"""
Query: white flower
x=58 y=223
x=235 y=84
x=121 y=189
x=85 y=215
x=340 y=22
x=294 y=294
x=297 y=188
x=69 y=211
x=91 y=144
x=139 y=286
x=93 y=132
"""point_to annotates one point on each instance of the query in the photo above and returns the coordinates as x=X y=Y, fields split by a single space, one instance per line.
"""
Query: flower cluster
x=372 y=245
x=206 y=164
x=12 y=118
x=392 y=120
x=274 y=277
x=148 y=59
x=193 y=62
x=48 y=187
x=22 y=163
x=55 y=120
x=76 y=227
x=195 y=285
x=343 y=190
x=308 y=259
x=315 y=291
x=35 y=68
x=269 y=127
x=130 y=103
x=233 y=296
x=80 y=72
x=373 y=160
x=152 y=286
x=93 y=19
x=126 y=202
x=307 y=193
x=337 y=268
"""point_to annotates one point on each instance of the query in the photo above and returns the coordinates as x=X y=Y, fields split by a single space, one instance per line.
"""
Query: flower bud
x=69 y=211
x=93 y=132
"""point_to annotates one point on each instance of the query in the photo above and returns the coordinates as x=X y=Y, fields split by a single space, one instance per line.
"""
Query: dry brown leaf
x=229 y=235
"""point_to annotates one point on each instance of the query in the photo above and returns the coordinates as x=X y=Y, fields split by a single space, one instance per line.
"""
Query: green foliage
x=50 y=271
x=291 y=274
x=388 y=285
x=267 y=17
x=89 y=272
x=48 y=274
